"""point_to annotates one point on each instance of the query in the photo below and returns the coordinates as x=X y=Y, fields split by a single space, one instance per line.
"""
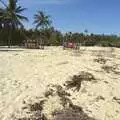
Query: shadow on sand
x=10 y=50
x=70 y=114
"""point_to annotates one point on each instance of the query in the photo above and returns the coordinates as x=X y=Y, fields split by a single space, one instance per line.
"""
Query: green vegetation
x=10 y=19
x=12 y=31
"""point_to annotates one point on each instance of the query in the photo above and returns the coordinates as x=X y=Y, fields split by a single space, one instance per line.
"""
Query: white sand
x=24 y=75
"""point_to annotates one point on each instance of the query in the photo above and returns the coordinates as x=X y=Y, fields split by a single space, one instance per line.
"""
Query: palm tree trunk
x=9 y=37
x=42 y=44
x=41 y=41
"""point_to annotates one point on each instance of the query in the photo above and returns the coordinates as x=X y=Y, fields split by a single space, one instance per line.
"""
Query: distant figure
x=64 y=45
x=77 y=46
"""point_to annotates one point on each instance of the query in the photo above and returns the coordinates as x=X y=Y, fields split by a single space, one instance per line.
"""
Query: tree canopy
x=11 y=24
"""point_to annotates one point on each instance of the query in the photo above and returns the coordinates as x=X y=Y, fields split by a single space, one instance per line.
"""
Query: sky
x=97 y=16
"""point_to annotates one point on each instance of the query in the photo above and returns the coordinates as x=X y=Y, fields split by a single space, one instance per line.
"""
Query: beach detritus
x=65 y=101
x=61 y=92
x=69 y=111
x=63 y=63
x=100 y=60
x=37 y=106
x=116 y=99
x=106 y=82
x=49 y=93
x=58 y=90
x=76 y=80
x=110 y=69
x=35 y=111
x=99 y=98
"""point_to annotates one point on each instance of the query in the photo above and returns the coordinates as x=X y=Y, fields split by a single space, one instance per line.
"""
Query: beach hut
x=32 y=44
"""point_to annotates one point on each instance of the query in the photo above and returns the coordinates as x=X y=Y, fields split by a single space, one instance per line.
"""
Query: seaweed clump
x=76 y=80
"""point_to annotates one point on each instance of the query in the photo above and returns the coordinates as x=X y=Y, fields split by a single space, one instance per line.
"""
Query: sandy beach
x=26 y=73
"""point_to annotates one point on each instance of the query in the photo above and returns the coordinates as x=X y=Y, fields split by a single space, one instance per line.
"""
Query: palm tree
x=43 y=22
x=11 y=18
x=2 y=17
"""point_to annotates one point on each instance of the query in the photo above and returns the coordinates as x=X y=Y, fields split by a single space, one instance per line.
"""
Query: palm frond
x=22 y=17
x=19 y=9
x=11 y=14
x=3 y=3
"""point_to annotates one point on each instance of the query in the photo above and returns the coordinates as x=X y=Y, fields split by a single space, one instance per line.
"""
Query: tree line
x=13 y=32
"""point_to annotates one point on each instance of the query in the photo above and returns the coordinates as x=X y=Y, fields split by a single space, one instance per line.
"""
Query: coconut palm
x=43 y=22
x=11 y=18
x=2 y=17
